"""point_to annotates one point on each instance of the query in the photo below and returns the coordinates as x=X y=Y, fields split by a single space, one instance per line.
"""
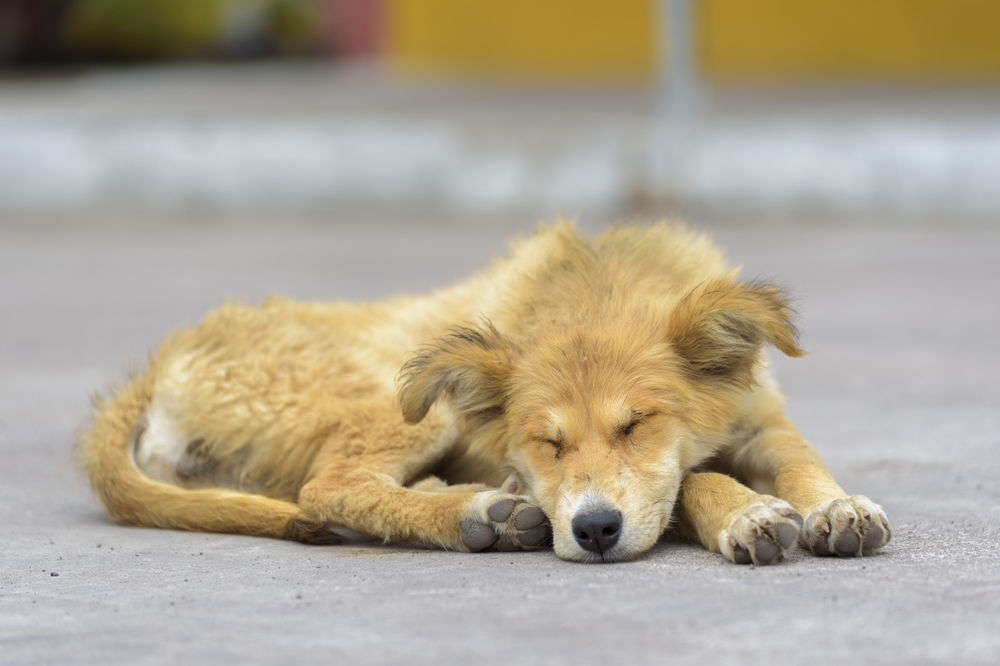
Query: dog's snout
x=598 y=531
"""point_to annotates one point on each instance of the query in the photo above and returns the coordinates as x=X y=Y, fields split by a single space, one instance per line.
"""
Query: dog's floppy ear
x=468 y=365
x=719 y=328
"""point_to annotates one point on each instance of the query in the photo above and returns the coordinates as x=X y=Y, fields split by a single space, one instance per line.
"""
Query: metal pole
x=678 y=98
x=678 y=68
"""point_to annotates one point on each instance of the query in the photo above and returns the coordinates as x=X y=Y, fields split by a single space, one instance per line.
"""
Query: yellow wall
x=610 y=38
x=737 y=38
x=802 y=38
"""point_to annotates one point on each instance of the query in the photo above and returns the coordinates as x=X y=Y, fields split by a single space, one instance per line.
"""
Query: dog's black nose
x=598 y=531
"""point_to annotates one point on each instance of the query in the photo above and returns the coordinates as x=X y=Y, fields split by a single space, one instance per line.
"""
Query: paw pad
x=762 y=533
x=501 y=511
x=510 y=523
x=477 y=536
x=848 y=527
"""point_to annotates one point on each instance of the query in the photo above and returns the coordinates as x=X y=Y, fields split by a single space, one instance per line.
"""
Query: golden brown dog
x=592 y=383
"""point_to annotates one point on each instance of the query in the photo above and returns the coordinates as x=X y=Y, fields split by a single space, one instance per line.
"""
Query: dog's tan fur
x=608 y=374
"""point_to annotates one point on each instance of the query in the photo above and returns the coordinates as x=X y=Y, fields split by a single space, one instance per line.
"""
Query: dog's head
x=602 y=418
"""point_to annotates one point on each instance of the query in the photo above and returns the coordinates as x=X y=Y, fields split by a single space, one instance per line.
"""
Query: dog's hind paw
x=500 y=521
x=847 y=527
x=312 y=533
x=763 y=533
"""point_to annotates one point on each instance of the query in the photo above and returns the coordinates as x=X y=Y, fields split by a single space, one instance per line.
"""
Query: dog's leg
x=375 y=503
x=777 y=457
x=727 y=517
x=360 y=483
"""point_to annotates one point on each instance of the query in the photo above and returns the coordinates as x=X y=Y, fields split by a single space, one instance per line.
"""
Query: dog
x=584 y=394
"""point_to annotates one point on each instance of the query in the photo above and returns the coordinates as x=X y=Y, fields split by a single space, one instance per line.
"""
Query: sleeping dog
x=584 y=393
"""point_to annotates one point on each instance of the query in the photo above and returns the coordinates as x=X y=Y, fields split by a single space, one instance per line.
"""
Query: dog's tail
x=132 y=498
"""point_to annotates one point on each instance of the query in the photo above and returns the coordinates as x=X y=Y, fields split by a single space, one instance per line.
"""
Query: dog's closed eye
x=629 y=427
x=554 y=443
x=557 y=444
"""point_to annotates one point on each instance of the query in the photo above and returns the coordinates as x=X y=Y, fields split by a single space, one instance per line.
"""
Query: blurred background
x=158 y=157
x=471 y=110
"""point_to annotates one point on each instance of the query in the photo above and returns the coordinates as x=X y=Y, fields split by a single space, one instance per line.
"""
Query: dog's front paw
x=848 y=527
x=762 y=533
x=502 y=521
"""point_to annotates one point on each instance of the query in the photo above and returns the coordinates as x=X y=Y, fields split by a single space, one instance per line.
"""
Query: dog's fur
x=598 y=379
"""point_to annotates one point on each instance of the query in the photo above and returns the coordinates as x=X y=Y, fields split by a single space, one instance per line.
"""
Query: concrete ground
x=899 y=392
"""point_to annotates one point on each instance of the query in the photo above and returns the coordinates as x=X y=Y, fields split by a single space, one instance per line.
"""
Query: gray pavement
x=899 y=392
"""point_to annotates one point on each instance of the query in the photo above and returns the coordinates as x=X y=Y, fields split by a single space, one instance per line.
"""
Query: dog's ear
x=719 y=328
x=468 y=365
